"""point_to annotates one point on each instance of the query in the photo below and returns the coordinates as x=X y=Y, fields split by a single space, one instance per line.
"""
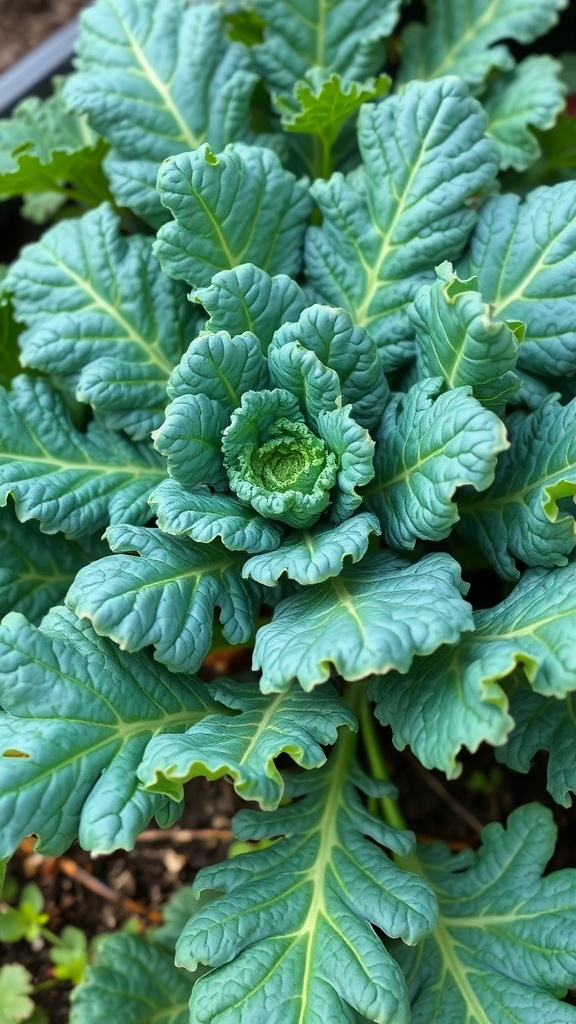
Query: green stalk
x=378 y=767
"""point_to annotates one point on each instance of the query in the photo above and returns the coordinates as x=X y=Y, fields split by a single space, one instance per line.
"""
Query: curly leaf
x=191 y=441
x=248 y=299
x=298 y=370
x=384 y=226
x=286 y=933
x=530 y=96
x=503 y=949
x=214 y=198
x=72 y=741
x=204 y=517
x=542 y=723
x=166 y=597
x=457 y=339
x=292 y=723
x=322 y=103
x=355 y=450
x=524 y=254
x=459 y=38
x=312 y=556
x=373 y=617
x=458 y=688
x=37 y=570
x=345 y=38
x=519 y=516
x=72 y=482
x=102 y=316
x=430 y=444
x=222 y=367
x=345 y=348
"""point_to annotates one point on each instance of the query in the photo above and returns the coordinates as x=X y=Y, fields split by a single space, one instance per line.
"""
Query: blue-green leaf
x=191 y=441
x=355 y=450
x=222 y=367
x=530 y=96
x=543 y=723
x=374 y=617
x=298 y=370
x=292 y=723
x=213 y=200
x=165 y=598
x=407 y=208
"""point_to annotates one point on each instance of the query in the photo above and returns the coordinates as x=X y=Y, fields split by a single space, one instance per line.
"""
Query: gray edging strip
x=31 y=75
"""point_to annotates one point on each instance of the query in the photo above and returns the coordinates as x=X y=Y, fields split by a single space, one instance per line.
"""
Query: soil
x=25 y=23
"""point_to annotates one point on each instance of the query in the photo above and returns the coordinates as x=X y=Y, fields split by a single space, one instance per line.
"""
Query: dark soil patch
x=25 y=23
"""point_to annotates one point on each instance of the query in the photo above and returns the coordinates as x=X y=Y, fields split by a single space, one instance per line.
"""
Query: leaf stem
x=378 y=767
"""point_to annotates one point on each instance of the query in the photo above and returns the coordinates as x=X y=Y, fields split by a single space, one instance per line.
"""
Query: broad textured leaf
x=385 y=225
x=292 y=723
x=530 y=96
x=248 y=299
x=191 y=441
x=222 y=367
x=165 y=598
x=524 y=256
x=102 y=315
x=374 y=617
x=78 y=714
x=205 y=517
x=520 y=517
x=542 y=723
x=36 y=570
x=458 y=688
x=322 y=103
x=355 y=450
x=298 y=370
x=313 y=556
x=345 y=38
x=291 y=938
x=43 y=148
x=457 y=339
x=429 y=444
x=349 y=350
x=214 y=199
x=72 y=482
x=459 y=38
x=503 y=950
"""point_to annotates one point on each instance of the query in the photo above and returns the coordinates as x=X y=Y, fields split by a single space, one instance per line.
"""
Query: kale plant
x=294 y=362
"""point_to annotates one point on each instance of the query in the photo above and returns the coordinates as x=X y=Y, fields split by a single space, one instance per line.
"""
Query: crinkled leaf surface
x=222 y=367
x=524 y=256
x=314 y=555
x=458 y=688
x=375 y=616
x=385 y=226
x=457 y=339
x=503 y=951
x=166 y=597
x=72 y=482
x=429 y=444
x=102 y=315
x=190 y=439
x=291 y=938
x=519 y=516
x=322 y=103
x=213 y=199
x=78 y=714
x=205 y=517
x=297 y=370
x=542 y=723
x=248 y=299
x=292 y=723
x=459 y=38
x=530 y=96
x=36 y=570
x=345 y=38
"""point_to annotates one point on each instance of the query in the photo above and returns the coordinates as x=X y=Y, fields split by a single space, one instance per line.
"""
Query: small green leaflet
x=459 y=37
x=544 y=724
x=72 y=482
x=504 y=947
x=519 y=516
x=522 y=254
x=406 y=209
x=457 y=339
x=37 y=570
x=286 y=933
x=428 y=445
x=292 y=723
x=15 y=990
x=166 y=597
x=458 y=688
x=322 y=103
x=530 y=96
x=102 y=315
x=344 y=37
x=72 y=742
x=213 y=197
x=374 y=617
